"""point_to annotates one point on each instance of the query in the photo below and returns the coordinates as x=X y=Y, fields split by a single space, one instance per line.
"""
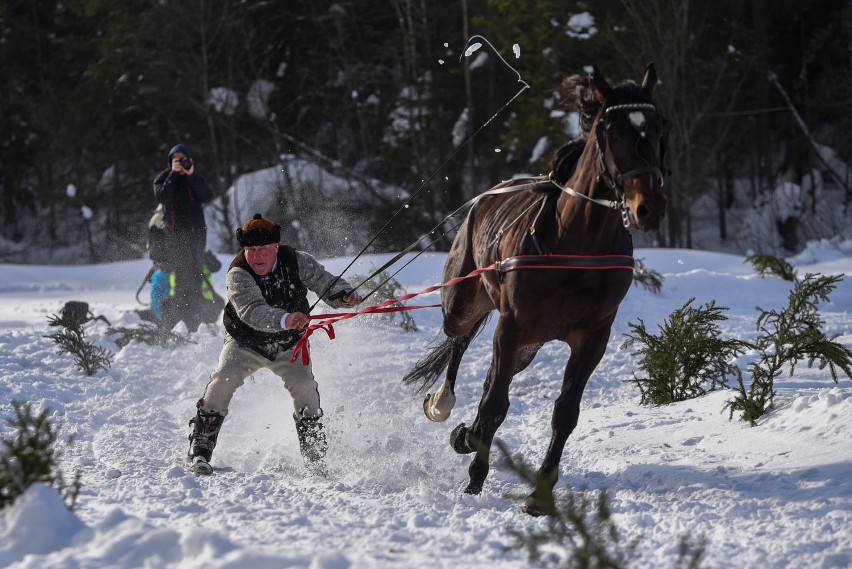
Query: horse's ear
x=649 y=81
x=601 y=86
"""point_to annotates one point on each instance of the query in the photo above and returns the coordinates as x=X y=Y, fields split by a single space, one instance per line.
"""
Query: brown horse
x=562 y=262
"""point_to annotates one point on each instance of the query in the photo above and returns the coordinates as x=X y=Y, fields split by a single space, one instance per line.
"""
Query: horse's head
x=629 y=135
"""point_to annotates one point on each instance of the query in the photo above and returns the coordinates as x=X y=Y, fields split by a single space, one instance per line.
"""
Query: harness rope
x=518 y=262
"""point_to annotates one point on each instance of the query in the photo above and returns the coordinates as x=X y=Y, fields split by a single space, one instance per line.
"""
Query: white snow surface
x=777 y=495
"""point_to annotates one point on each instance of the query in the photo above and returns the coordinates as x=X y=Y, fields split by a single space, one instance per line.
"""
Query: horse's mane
x=578 y=92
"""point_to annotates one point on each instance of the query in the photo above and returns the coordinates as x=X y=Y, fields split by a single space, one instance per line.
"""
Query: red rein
x=577 y=262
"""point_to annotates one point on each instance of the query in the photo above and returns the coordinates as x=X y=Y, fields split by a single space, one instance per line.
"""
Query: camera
x=186 y=163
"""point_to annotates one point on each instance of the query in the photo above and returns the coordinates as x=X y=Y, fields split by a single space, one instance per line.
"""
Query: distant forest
x=95 y=92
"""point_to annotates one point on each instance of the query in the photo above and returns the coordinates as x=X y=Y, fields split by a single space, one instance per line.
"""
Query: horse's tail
x=432 y=365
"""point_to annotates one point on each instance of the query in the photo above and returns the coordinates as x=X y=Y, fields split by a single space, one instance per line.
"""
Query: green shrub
x=687 y=358
x=71 y=339
x=769 y=265
x=648 y=278
x=29 y=455
x=151 y=335
x=786 y=338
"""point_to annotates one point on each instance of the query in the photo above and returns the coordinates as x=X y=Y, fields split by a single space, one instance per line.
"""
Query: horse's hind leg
x=447 y=356
x=466 y=308
x=438 y=406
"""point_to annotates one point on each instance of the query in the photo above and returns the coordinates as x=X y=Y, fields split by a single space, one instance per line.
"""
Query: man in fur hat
x=265 y=317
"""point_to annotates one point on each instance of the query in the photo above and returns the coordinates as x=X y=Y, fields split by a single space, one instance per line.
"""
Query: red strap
x=328 y=319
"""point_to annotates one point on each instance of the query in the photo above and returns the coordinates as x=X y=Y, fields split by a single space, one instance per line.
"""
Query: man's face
x=261 y=259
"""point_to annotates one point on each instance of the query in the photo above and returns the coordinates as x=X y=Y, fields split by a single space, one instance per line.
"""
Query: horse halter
x=640 y=126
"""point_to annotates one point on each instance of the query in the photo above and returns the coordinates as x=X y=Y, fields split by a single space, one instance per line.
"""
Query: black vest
x=281 y=288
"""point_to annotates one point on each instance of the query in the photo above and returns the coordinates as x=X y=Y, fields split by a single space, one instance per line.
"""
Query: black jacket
x=182 y=197
x=282 y=288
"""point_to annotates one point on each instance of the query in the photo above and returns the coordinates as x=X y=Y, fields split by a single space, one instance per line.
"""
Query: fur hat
x=258 y=231
x=179 y=148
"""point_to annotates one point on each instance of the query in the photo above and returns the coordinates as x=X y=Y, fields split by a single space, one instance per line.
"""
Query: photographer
x=182 y=191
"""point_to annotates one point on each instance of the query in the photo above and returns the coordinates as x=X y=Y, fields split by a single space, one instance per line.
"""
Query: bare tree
x=702 y=73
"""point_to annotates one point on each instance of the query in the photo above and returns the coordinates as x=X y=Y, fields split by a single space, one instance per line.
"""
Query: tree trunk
x=721 y=203
x=468 y=178
x=848 y=23
x=761 y=143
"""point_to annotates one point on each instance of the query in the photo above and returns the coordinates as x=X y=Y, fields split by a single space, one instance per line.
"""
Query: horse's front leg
x=492 y=407
x=587 y=349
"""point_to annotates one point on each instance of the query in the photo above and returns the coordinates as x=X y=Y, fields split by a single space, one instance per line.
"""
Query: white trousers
x=236 y=363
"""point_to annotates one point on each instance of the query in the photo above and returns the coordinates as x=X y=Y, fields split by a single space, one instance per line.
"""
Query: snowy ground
x=778 y=495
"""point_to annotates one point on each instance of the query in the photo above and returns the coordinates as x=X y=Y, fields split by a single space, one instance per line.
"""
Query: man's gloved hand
x=295 y=321
x=352 y=298
x=349 y=297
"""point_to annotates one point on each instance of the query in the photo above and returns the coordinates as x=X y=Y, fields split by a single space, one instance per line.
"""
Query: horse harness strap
x=540 y=246
x=546 y=260
x=611 y=204
x=619 y=204
x=576 y=262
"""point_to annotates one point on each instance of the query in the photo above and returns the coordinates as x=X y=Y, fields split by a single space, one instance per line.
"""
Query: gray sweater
x=252 y=308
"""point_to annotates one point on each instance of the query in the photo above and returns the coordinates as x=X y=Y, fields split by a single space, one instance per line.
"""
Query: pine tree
x=71 y=339
x=687 y=358
x=771 y=265
x=29 y=455
x=787 y=337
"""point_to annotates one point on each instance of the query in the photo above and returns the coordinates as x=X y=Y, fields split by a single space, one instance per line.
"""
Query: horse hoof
x=474 y=489
x=532 y=508
x=458 y=440
x=432 y=412
x=540 y=502
x=438 y=406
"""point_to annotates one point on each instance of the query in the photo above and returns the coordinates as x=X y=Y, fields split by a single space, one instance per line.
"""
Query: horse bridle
x=615 y=181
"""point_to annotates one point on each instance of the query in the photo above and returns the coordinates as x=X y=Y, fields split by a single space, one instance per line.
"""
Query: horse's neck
x=587 y=226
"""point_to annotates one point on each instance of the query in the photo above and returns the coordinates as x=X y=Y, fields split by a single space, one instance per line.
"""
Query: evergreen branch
x=770 y=265
x=30 y=456
x=581 y=525
x=786 y=338
x=88 y=357
x=687 y=358
x=648 y=278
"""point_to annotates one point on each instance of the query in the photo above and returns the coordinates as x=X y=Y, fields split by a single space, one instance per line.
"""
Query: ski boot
x=202 y=440
x=312 y=442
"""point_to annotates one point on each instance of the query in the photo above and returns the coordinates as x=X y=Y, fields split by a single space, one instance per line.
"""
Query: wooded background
x=95 y=93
